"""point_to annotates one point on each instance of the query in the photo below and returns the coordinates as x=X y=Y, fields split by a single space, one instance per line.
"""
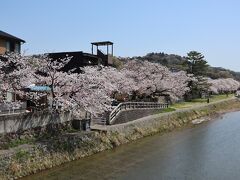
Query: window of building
x=17 y=48
x=7 y=46
x=12 y=47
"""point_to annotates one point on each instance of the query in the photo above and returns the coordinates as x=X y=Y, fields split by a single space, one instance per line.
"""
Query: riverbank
x=68 y=146
x=207 y=151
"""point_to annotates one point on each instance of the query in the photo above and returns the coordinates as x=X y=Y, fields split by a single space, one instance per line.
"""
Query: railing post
x=108 y=120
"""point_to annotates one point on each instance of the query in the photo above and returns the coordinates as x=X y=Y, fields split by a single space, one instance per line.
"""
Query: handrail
x=134 y=105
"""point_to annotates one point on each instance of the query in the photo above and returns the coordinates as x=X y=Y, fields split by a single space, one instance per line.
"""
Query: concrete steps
x=98 y=121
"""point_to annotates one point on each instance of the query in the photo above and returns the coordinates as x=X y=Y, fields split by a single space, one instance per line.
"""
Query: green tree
x=117 y=63
x=197 y=64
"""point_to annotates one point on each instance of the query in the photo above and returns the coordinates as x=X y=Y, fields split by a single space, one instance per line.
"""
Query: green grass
x=168 y=110
x=165 y=110
x=21 y=155
x=200 y=101
x=182 y=105
x=15 y=143
x=221 y=97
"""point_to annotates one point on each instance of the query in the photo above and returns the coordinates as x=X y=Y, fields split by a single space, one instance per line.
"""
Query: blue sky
x=136 y=27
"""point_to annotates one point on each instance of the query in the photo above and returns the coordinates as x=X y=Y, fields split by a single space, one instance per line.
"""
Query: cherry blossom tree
x=16 y=73
x=223 y=85
x=91 y=90
x=152 y=78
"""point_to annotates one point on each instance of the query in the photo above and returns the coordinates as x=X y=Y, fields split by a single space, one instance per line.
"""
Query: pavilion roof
x=102 y=43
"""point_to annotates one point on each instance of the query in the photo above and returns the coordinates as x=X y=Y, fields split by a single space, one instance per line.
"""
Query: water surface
x=208 y=151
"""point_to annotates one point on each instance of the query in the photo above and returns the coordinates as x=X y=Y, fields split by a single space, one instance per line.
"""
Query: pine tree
x=197 y=66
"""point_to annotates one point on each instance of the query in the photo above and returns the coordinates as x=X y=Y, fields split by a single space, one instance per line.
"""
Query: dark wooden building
x=80 y=59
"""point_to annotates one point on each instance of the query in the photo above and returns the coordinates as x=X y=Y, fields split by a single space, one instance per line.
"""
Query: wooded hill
x=176 y=62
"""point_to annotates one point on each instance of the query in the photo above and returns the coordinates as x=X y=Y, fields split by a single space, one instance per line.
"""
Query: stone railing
x=134 y=105
x=7 y=108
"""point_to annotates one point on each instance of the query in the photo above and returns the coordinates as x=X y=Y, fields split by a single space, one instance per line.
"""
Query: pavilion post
x=96 y=45
x=112 y=49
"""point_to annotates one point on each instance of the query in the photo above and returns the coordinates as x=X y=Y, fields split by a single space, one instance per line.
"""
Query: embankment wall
x=13 y=123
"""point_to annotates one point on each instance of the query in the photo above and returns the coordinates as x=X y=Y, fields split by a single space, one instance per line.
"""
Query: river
x=208 y=151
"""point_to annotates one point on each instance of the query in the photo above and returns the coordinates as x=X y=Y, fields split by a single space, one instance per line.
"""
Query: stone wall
x=23 y=121
x=130 y=115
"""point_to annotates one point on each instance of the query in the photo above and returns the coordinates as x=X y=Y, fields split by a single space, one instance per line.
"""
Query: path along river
x=208 y=151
